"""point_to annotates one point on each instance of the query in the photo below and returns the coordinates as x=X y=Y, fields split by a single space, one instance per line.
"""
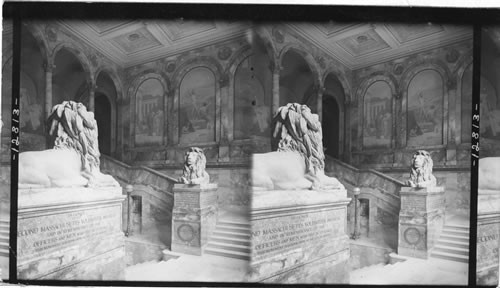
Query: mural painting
x=252 y=114
x=377 y=128
x=31 y=124
x=466 y=108
x=489 y=111
x=425 y=109
x=197 y=107
x=149 y=113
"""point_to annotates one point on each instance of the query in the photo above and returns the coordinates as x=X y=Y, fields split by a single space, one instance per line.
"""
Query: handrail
x=130 y=168
x=366 y=170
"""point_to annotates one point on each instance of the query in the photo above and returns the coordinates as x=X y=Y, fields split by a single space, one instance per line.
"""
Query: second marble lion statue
x=421 y=170
x=298 y=162
x=194 y=167
x=488 y=175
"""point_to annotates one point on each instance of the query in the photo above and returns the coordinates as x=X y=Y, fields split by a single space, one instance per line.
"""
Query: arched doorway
x=330 y=125
x=105 y=114
x=297 y=81
x=332 y=121
x=103 y=118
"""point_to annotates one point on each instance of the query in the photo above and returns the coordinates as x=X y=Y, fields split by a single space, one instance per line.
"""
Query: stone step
x=230 y=240
x=463 y=239
x=227 y=223
x=450 y=256
x=232 y=229
x=229 y=254
x=451 y=243
x=244 y=236
x=4 y=252
x=457 y=227
x=229 y=247
x=447 y=231
x=451 y=250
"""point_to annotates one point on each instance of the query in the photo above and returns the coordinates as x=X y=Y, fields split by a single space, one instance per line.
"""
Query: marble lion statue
x=194 y=167
x=421 y=170
x=297 y=162
x=488 y=175
x=74 y=160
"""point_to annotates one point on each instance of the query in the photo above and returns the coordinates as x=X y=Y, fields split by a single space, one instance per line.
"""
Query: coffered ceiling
x=364 y=44
x=130 y=43
x=356 y=45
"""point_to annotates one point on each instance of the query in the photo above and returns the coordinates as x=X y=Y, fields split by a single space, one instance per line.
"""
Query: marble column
x=92 y=88
x=449 y=125
x=276 y=88
x=226 y=124
x=48 y=88
x=319 y=104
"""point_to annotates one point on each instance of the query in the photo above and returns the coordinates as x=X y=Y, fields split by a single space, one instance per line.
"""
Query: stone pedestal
x=488 y=237
x=299 y=237
x=70 y=234
x=194 y=217
x=421 y=220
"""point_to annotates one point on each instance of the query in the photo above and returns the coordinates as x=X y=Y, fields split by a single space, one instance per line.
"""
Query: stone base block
x=70 y=237
x=299 y=236
x=194 y=217
x=421 y=220
x=488 y=238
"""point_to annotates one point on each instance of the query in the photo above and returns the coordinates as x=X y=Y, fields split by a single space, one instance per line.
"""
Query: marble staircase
x=4 y=237
x=453 y=244
x=231 y=238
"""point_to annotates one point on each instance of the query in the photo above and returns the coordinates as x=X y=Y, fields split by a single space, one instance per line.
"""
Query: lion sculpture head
x=421 y=170
x=74 y=159
x=298 y=161
x=194 y=167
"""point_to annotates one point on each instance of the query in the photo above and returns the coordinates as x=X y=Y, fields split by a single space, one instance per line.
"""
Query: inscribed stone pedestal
x=488 y=237
x=421 y=220
x=194 y=217
x=299 y=237
x=70 y=234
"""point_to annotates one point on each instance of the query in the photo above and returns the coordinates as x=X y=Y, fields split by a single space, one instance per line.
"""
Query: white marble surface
x=287 y=198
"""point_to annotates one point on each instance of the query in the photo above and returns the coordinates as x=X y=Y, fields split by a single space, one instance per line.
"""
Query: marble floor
x=413 y=272
x=206 y=268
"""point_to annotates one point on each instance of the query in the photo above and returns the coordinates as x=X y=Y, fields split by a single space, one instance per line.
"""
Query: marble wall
x=427 y=106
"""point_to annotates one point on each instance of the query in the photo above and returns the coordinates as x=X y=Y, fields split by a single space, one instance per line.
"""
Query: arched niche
x=466 y=105
x=105 y=112
x=70 y=80
x=149 y=111
x=252 y=97
x=32 y=93
x=197 y=106
x=425 y=109
x=489 y=111
x=297 y=82
x=377 y=115
x=332 y=121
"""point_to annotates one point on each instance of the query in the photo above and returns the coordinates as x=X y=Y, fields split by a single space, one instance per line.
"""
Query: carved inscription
x=38 y=236
x=488 y=242
x=277 y=235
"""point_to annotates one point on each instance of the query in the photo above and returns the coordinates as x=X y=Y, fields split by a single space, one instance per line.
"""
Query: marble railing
x=137 y=174
x=371 y=182
x=154 y=187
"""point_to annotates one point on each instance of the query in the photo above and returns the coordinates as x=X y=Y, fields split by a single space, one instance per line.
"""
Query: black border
x=240 y=12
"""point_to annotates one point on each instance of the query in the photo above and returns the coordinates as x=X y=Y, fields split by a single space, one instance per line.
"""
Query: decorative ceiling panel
x=135 y=41
x=103 y=26
x=332 y=28
x=179 y=29
x=363 y=43
x=408 y=32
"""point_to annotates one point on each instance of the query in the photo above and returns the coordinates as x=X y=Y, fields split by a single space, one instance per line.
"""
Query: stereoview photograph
x=215 y=151
x=488 y=209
